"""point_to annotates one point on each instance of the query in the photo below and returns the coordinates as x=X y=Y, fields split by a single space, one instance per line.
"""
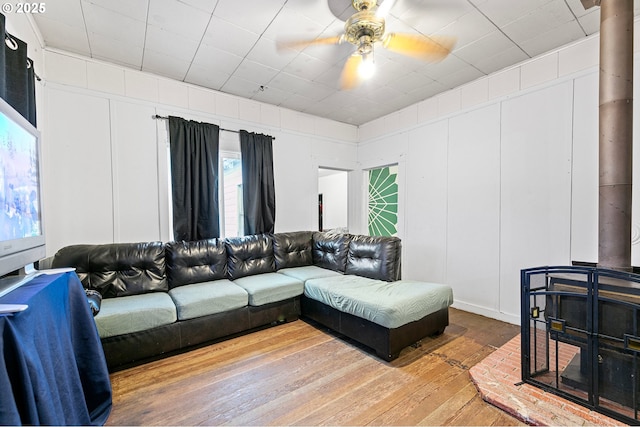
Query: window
x=383 y=201
x=231 y=207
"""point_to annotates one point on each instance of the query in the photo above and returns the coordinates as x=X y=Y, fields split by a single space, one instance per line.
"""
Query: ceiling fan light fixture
x=367 y=67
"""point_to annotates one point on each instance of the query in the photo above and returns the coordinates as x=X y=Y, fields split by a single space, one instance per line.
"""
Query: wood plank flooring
x=303 y=374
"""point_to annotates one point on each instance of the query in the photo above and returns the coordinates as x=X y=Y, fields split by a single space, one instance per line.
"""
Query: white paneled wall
x=78 y=184
x=584 y=185
x=535 y=186
x=501 y=175
x=106 y=163
x=473 y=206
x=136 y=181
x=494 y=176
x=424 y=255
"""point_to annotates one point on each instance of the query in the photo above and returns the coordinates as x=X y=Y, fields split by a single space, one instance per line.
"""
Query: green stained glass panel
x=383 y=201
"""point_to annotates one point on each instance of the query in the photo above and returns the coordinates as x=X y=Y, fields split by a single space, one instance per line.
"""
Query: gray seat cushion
x=308 y=272
x=270 y=287
x=201 y=299
x=389 y=304
x=135 y=313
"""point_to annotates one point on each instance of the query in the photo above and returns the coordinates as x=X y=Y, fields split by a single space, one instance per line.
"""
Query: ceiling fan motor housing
x=361 y=5
x=364 y=24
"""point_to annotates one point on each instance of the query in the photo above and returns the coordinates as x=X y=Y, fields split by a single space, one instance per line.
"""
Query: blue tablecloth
x=52 y=366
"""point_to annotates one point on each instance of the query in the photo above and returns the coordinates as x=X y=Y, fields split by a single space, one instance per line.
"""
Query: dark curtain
x=17 y=76
x=194 y=179
x=258 y=195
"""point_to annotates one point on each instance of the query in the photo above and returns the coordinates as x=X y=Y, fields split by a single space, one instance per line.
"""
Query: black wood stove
x=581 y=337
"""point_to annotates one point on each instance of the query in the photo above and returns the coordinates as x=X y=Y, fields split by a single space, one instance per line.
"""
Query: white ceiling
x=230 y=45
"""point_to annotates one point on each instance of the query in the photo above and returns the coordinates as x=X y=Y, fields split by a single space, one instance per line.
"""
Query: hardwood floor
x=303 y=374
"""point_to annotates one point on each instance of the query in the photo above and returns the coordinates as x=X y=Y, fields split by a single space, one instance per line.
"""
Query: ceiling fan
x=364 y=29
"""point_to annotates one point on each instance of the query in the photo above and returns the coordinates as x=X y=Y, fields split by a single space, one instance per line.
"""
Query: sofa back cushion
x=330 y=250
x=249 y=255
x=293 y=249
x=195 y=261
x=117 y=269
x=376 y=257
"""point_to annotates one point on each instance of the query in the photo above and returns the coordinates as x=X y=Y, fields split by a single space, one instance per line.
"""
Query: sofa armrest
x=376 y=257
x=117 y=269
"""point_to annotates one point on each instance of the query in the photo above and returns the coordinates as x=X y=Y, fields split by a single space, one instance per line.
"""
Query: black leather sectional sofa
x=162 y=297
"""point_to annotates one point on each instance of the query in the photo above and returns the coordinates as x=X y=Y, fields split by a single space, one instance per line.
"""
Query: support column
x=616 y=131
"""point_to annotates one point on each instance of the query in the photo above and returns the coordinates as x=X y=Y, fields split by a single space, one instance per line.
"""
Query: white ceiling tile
x=241 y=87
x=165 y=65
x=206 y=77
x=272 y=96
x=591 y=21
x=178 y=17
x=427 y=91
x=331 y=54
x=297 y=102
x=207 y=6
x=116 y=26
x=212 y=58
x=289 y=23
x=255 y=72
x=331 y=77
x=461 y=76
x=133 y=9
x=318 y=11
x=63 y=36
x=65 y=12
x=407 y=83
x=503 y=12
x=288 y=82
x=229 y=37
x=541 y=20
x=468 y=28
x=318 y=91
x=230 y=45
x=306 y=67
x=545 y=41
x=500 y=60
x=429 y=20
x=266 y=52
x=119 y=52
x=255 y=15
x=170 y=44
x=491 y=52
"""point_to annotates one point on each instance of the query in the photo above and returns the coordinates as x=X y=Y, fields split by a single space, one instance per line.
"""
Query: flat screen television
x=22 y=238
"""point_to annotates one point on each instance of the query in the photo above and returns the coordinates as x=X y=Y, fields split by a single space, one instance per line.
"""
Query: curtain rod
x=156 y=116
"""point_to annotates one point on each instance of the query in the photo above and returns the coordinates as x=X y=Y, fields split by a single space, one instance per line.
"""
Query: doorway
x=333 y=203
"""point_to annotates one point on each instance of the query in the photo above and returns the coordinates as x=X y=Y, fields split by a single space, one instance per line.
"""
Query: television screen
x=19 y=190
x=21 y=223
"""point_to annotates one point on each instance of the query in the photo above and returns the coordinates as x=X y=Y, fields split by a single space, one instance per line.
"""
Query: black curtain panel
x=17 y=76
x=258 y=195
x=194 y=179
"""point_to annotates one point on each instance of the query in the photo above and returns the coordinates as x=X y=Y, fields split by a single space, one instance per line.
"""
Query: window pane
x=232 y=193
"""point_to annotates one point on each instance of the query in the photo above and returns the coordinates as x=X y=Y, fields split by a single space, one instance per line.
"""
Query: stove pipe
x=616 y=131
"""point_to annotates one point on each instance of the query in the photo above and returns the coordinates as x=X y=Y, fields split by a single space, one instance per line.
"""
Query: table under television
x=52 y=366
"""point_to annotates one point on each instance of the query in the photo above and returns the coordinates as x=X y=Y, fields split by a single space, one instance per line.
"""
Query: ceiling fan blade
x=350 y=77
x=341 y=9
x=418 y=46
x=301 y=44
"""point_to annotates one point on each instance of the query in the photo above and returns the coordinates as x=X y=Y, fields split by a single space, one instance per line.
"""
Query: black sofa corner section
x=126 y=269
